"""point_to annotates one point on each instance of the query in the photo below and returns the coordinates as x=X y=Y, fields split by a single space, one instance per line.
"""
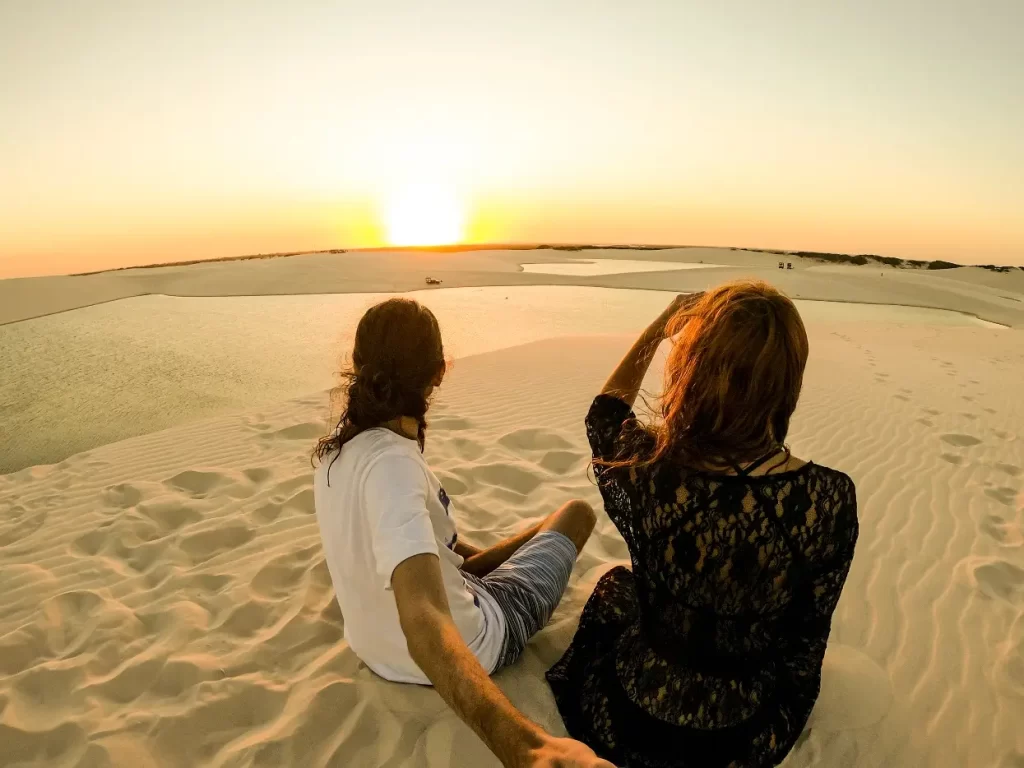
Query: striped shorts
x=528 y=587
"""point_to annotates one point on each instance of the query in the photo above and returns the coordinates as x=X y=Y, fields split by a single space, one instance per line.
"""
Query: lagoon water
x=91 y=376
x=591 y=267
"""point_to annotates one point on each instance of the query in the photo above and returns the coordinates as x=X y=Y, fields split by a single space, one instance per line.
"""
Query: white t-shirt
x=383 y=506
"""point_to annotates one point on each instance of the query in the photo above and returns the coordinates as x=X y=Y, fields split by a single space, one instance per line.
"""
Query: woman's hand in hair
x=658 y=330
x=625 y=381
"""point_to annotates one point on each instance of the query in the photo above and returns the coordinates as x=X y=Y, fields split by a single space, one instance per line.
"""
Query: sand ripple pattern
x=164 y=600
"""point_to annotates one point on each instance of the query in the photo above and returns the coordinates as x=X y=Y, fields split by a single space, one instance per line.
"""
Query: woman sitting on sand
x=709 y=651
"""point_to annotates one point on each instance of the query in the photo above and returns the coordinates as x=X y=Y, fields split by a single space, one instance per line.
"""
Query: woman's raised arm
x=625 y=381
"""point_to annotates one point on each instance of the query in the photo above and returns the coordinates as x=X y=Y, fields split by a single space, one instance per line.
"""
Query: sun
x=424 y=213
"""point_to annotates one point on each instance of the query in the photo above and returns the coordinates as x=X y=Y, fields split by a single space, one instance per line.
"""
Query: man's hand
x=564 y=753
x=437 y=647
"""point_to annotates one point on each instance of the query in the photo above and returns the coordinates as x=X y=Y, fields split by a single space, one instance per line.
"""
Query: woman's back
x=713 y=643
x=733 y=575
x=708 y=652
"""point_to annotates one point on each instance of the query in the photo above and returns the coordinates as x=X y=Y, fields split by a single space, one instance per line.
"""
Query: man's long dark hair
x=396 y=358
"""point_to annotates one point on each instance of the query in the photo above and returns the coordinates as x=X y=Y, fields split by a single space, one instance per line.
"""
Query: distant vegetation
x=190 y=262
x=605 y=247
x=860 y=259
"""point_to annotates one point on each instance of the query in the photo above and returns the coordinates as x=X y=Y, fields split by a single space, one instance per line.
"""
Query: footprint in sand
x=1000 y=530
x=931 y=411
x=310 y=430
x=904 y=398
x=229 y=707
x=258 y=475
x=197 y=484
x=210 y=583
x=169 y=514
x=294 y=494
x=534 y=439
x=278 y=578
x=926 y=422
x=450 y=423
x=56 y=746
x=204 y=545
x=72 y=618
x=18 y=524
x=91 y=542
x=452 y=485
x=266 y=513
x=469 y=450
x=990 y=410
x=249 y=618
x=998 y=578
x=951 y=458
x=287 y=488
x=961 y=441
x=123 y=495
x=560 y=462
x=138 y=556
x=1004 y=495
x=1010 y=469
x=301 y=502
x=507 y=476
x=992 y=526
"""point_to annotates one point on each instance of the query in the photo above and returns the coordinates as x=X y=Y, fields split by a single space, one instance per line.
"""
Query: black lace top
x=708 y=652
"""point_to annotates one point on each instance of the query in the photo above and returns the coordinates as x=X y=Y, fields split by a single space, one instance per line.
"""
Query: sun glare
x=424 y=214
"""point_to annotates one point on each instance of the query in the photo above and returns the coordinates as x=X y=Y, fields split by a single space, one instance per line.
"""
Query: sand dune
x=996 y=297
x=164 y=599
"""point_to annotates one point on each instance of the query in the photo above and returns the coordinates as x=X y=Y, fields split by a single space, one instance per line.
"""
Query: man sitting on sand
x=421 y=606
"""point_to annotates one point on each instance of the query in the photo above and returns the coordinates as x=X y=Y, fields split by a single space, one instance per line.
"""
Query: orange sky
x=136 y=133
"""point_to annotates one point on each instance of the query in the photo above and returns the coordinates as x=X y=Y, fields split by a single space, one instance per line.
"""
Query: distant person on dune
x=708 y=652
x=421 y=605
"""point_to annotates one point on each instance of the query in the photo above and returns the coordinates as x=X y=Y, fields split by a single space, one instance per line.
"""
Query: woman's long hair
x=732 y=380
x=396 y=360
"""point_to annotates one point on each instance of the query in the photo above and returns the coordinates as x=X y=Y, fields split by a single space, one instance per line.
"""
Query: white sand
x=164 y=600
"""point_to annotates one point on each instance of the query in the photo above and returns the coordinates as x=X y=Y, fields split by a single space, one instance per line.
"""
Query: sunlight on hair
x=424 y=213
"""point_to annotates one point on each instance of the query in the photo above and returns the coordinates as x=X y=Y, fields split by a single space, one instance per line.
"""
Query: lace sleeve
x=604 y=426
x=809 y=639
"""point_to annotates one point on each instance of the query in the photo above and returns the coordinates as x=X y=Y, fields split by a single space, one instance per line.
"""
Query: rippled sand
x=164 y=599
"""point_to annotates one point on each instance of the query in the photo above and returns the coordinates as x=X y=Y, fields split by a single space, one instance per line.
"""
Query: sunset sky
x=136 y=132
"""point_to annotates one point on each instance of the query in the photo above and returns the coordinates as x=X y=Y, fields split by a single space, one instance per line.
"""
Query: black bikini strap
x=745 y=471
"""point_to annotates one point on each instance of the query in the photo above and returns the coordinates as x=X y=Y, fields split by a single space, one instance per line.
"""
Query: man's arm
x=480 y=562
x=466 y=551
x=439 y=650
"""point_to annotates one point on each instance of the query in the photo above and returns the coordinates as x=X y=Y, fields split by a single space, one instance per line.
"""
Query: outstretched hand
x=565 y=753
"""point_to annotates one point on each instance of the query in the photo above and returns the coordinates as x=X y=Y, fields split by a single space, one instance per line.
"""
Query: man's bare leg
x=575 y=519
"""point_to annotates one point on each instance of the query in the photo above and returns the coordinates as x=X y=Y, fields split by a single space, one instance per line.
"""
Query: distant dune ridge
x=164 y=599
x=834 y=258
x=338 y=271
